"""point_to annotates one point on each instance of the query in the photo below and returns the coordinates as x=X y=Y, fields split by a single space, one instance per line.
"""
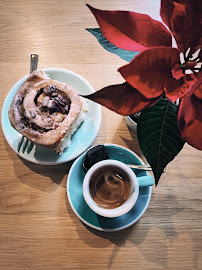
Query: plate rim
x=4 y=110
x=86 y=222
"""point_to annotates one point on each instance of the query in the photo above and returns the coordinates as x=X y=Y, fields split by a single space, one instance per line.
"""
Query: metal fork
x=23 y=142
x=144 y=167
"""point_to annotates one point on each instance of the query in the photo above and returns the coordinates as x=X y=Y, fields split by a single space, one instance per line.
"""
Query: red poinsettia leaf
x=177 y=72
x=131 y=31
x=190 y=117
x=150 y=69
x=184 y=20
x=122 y=98
x=175 y=89
x=198 y=92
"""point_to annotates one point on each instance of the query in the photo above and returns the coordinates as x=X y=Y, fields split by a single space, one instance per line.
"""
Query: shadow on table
x=118 y=237
x=54 y=172
x=141 y=234
x=42 y=173
x=158 y=219
x=132 y=143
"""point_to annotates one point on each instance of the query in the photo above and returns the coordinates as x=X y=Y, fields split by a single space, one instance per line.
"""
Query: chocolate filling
x=51 y=104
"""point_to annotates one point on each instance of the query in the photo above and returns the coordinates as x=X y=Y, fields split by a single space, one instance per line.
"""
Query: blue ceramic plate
x=81 y=139
x=81 y=209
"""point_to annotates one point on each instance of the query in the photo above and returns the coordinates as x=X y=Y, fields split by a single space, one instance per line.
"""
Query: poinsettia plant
x=157 y=76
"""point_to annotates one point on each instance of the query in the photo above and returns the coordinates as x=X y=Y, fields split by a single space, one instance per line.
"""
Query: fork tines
x=24 y=143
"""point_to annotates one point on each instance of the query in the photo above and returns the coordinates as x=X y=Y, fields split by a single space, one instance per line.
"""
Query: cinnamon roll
x=46 y=111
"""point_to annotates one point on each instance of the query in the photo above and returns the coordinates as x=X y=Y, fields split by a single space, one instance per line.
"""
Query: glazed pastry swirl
x=46 y=108
x=46 y=112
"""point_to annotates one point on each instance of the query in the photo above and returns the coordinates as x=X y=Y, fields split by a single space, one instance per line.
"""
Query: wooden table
x=38 y=229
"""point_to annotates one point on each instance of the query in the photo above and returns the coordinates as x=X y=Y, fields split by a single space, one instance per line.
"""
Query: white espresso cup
x=111 y=188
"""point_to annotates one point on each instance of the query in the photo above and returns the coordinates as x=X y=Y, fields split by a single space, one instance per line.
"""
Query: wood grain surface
x=38 y=229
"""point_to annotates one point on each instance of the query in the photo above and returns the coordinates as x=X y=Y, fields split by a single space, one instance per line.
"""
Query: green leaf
x=158 y=135
x=124 y=54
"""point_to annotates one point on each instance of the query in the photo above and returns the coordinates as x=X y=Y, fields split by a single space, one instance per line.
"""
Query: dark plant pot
x=131 y=121
x=132 y=125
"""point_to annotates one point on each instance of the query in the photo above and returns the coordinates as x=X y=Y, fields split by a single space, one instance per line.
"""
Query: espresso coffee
x=109 y=187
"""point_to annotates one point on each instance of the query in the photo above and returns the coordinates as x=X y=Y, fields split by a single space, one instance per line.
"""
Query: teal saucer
x=81 y=209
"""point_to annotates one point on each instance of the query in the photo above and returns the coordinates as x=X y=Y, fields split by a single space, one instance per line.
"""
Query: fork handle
x=33 y=62
x=140 y=167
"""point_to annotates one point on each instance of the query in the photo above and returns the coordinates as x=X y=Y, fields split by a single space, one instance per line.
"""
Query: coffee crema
x=109 y=187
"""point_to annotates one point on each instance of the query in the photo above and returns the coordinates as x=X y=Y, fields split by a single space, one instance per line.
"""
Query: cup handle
x=145 y=181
